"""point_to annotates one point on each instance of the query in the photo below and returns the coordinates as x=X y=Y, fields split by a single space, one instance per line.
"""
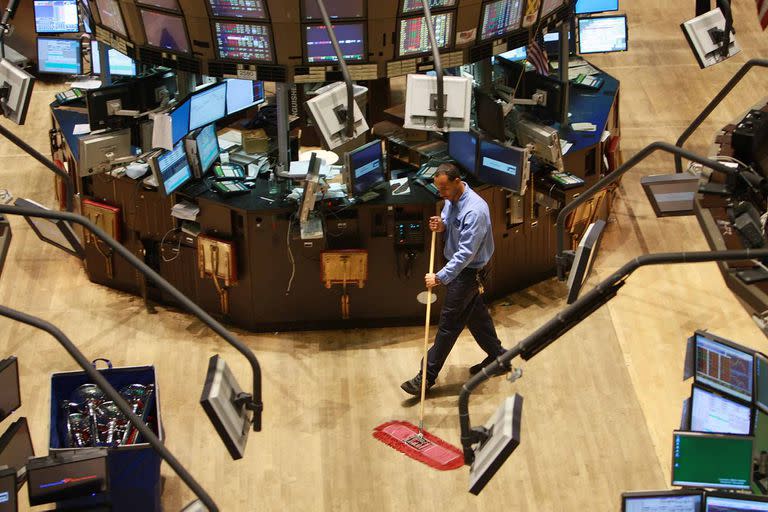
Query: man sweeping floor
x=468 y=247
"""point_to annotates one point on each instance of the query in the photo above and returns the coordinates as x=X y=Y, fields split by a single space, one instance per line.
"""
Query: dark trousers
x=703 y=6
x=463 y=307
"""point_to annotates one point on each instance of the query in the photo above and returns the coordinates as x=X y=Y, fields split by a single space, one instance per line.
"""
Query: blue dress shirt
x=468 y=235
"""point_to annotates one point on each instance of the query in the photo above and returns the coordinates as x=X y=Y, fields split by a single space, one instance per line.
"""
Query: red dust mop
x=405 y=437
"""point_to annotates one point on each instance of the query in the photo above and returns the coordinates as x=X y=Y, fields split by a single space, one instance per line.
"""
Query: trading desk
x=279 y=282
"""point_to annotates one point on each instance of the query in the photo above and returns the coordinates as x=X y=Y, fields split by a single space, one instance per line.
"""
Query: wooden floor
x=600 y=404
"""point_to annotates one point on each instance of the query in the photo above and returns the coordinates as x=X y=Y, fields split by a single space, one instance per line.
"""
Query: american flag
x=538 y=56
x=762 y=13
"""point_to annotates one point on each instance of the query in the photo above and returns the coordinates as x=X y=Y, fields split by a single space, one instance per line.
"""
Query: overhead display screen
x=413 y=36
x=340 y=9
x=500 y=17
x=243 y=41
x=351 y=38
x=246 y=9
x=111 y=17
x=165 y=31
x=410 y=6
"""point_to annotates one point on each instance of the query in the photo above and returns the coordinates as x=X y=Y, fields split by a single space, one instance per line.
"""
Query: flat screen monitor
x=68 y=475
x=552 y=44
x=761 y=381
x=732 y=502
x=554 y=108
x=760 y=451
x=337 y=9
x=207 y=147
x=180 y=121
x=207 y=106
x=717 y=414
x=246 y=9
x=723 y=365
x=16 y=448
x=662 y=501
x=56 y=16
x=516 y=54
x=97 y=100
x=58 y=233
x=462 y=148
x=250 y=42
x=711 y=460
x=242 y=94
x=8 y=491
x=603 y=34
x=413 y=38
x=366 y=167
x=500 y=17
x=165 y=31
x=119 y=64
x=171 y=169
x=593 y=6
x=502 y=166
x=171 y=5
x=411 y=6
x=111 y=17
x=585 y=256
x=319 y=50
x=21 y=84
x=10 y=392
x=59 y=56
x=490 y=115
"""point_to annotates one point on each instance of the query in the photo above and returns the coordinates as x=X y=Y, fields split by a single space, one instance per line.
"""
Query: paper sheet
x=162 y=131
x=81 y=129
x=86 y=84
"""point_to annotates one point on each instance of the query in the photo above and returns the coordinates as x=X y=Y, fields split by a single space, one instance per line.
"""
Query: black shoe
x=475 y=369
x=413 y=386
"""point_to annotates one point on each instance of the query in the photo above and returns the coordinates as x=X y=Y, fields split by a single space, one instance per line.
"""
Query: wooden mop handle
x=426 y=336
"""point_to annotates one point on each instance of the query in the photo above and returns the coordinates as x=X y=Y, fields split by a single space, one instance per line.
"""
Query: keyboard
x=196 y=188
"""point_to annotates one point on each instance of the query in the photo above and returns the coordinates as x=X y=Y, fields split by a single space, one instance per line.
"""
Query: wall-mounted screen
x=59 y=56
x=165 y=31
x=243 y=41
x=337 y=9
x=413 y=38
x=318 y=48
x=411 y=6
x=54 y=16
x=246 y=9
x=500 y=17
x=111 y=16
x=171 y=5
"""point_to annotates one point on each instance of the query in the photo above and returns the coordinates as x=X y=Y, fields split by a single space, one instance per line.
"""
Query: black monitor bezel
x=730 y=344
x=733 y=496
x=10 y=473
x=447 y=48
x=99 y=23
x=755 y=402
x=145 y=3
x=34 y=13
x=483 y=98
x=95 y=58
x=479 y=38
x=661 y=494
x=707 y=435
x=65 y=229
x=158 y=174
x=126 y=91
x=195 y=136
x=617 y=9
x=401 y=4
x=578 y=30
x=312 y=21
x=147 y=44
x=530 y=79
x=353 y=179
x=479 y=165
x=209 y=87
x=71 y=457
x=708 y=389
x=7 y=437
x=79 y=55
x=214 y=17
x=4 y=365
x=217 y=50
x=474 y=134
x=305 y=52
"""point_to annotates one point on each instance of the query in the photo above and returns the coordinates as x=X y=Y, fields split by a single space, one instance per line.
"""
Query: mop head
x=429 y=449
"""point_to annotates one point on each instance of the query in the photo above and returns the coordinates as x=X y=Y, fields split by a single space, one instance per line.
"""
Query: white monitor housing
x=15 y=91
x=421 y=103
x=704 y=35
x=231 y=419
x=545 y=141
x=329 y=113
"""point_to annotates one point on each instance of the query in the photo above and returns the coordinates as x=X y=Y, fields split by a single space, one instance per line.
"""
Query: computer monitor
x=251 y=42
x=594 y=6
x=68 y=475
x=207 y=147
x=490 y=115
x=585 y=256
x=714 y=413
x=337 y=9
x=111 y=16
x=555 y=106
x=723 y=365
x=503 y=166
x=550 y=6
x=500 y=17
x=180 y=121
x=319 y=50
x=56 y=16
x=171 y=5
x=516 y=54
x=246 y=9
x=662 y=501
x=16 y=448
x=760 y=451
x=706 y=35
x=171 y=169
x=165 y=31
x=365 y=168
x=59 y=56
x=242 y=94
x=6 y=234
x=733 y=502
x=119 y=64
x=10 y=394
x=462 y=148
x=9 y=500
x=603 y=34
x=16 y=98
x=208 y=105
x=716 y=461
x=101 y=101
x=421 y=104
x=328 y=111
x=552 y=44
x=58 y=233
x=761 y=381
x=156 y=89
x=411 y=6
x=413 y=38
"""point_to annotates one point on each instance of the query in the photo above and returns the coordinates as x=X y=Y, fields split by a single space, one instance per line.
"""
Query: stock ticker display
x=243 y=41
x=247 y=9
x=414 y=37
x=724 y=368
